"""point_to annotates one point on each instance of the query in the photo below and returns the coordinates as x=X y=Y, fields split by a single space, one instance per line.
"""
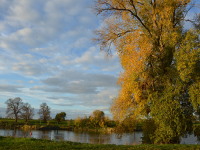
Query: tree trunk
x=16 y=118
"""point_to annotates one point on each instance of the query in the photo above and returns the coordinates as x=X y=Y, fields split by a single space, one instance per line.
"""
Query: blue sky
x=47 y=55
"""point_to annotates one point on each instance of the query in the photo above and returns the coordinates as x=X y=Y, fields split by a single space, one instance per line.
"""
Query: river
x=87 y=137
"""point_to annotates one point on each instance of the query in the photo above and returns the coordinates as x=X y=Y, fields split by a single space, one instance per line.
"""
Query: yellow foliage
x=145 y=34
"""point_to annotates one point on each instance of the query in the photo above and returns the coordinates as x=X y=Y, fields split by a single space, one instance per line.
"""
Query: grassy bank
x=69 y=125
x=10 y=143
x=36 y=124
x=50 y=125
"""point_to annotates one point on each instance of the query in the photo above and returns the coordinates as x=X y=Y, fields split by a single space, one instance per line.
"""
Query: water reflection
x=190 y=139
x=86 y=137
x=58 y=136
x=42 y=135
x=99 y=138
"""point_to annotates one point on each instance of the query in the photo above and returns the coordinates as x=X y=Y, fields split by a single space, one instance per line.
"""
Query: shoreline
x=38 y=144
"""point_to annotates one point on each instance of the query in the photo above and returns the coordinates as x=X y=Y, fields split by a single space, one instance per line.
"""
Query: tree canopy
x=44 y=112
x=60 y=116
x=97 y=118
x=14 y=107
x=17 y=109
x=160 y=59
x=27 y=112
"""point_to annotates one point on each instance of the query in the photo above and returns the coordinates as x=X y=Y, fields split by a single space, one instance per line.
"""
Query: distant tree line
x=17 y=109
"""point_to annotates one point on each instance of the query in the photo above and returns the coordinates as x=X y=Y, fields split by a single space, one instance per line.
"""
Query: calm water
x=94 y=138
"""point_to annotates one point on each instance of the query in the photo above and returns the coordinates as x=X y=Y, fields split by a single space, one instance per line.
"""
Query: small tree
x=97 y=118
x=60 y=116
x=44 y=112
x=27 y=112
x=14 y=107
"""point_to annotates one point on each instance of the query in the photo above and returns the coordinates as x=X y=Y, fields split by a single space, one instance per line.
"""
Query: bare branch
x=109 y=7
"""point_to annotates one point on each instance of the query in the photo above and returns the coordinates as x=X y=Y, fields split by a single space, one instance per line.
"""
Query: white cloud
x=76 y=82
x=35 y=23
x=93 y=57
x=21 y=11
x=85 y=104
x=46 y=55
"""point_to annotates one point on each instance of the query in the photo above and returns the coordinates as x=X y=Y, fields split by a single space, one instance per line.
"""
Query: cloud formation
x=47 y=55
x=10 y=88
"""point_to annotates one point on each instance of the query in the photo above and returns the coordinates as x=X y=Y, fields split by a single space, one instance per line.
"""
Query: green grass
x=35 y=122
x=10 y=123
x=9 y=143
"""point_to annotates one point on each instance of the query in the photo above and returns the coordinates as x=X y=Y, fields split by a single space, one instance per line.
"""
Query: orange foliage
x=145 y=34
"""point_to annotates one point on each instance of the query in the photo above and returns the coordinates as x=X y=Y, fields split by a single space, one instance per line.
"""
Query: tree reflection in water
x=99 y=138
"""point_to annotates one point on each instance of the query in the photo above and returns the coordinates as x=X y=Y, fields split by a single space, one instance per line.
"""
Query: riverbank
x=11 y=143
x=68 y=125
x=11 y=125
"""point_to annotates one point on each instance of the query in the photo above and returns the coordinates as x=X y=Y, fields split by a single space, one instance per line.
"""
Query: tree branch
x=111 y=8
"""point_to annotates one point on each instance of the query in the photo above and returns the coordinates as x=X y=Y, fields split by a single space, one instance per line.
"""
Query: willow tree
x=160 y=80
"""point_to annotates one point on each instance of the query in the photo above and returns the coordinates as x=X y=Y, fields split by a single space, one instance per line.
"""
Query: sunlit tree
x=160 y=59
x=98 y=118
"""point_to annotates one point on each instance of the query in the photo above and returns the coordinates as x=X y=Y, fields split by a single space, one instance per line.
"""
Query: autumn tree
x=160 y=61
x=83 y=123
x=97 y=118
x=27 y=112
x=44 y=112
x=14 y=108
x=60 y=116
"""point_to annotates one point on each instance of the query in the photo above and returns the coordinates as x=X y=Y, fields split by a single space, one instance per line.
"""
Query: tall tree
x=44 y=112
x=149 y=38
x=27 y=112
x=14 y=107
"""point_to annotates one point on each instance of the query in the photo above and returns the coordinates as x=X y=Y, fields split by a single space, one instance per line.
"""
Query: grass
x=10 y=143
x=11 y=124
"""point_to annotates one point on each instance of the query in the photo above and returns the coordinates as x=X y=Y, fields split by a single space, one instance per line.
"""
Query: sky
x=47 y=55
